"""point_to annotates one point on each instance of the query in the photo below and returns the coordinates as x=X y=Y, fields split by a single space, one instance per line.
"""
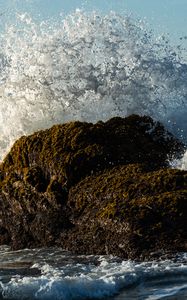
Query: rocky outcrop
x=129 y=211
x=103 y=188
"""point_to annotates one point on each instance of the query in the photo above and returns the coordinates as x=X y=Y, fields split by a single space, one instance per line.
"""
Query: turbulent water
x=88 y=67
x=57 y=275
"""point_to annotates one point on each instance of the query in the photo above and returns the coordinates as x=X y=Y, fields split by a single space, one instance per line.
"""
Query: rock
x=103 y=188
x=72 y=151
x=131 y=210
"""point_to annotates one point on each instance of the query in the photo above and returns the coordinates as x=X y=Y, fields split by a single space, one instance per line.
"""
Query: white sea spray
x=60 y=275
x=87 y=66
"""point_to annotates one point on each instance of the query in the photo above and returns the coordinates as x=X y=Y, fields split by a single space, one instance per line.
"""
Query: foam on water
x=56 y=274
x=87 y=67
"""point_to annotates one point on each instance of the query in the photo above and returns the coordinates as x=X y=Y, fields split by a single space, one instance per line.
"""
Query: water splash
x=51 y=273
x=87 y=67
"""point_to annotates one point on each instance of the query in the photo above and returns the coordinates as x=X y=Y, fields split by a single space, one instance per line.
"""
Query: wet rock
x=75 y=150
x=131 y=210
x=101 y=189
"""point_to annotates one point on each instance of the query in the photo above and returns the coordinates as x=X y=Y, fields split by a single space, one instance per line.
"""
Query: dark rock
x=103 y=188
x=75 y=150
x=131 y=210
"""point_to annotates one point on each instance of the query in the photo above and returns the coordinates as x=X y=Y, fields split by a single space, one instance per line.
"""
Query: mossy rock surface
x=75 y=150
x=95 y=188
x=138 y=211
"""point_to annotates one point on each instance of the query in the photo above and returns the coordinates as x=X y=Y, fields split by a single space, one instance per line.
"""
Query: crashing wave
x=89 y=67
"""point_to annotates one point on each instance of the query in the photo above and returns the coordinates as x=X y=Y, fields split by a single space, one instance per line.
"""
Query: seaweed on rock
x=95 y=188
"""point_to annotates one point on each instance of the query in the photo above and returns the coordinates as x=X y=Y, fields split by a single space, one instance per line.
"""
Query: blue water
x=51 y=273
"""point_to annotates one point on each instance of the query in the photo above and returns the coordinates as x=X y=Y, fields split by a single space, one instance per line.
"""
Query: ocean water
x=89 y=67
x=55 y=274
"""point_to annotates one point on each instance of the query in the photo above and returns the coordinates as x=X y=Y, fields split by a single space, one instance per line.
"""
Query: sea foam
x=59 y=275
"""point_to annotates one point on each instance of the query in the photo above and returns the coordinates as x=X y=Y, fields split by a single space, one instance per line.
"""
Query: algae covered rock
x=75 y=150
x=132 y=211
x=95 y=188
